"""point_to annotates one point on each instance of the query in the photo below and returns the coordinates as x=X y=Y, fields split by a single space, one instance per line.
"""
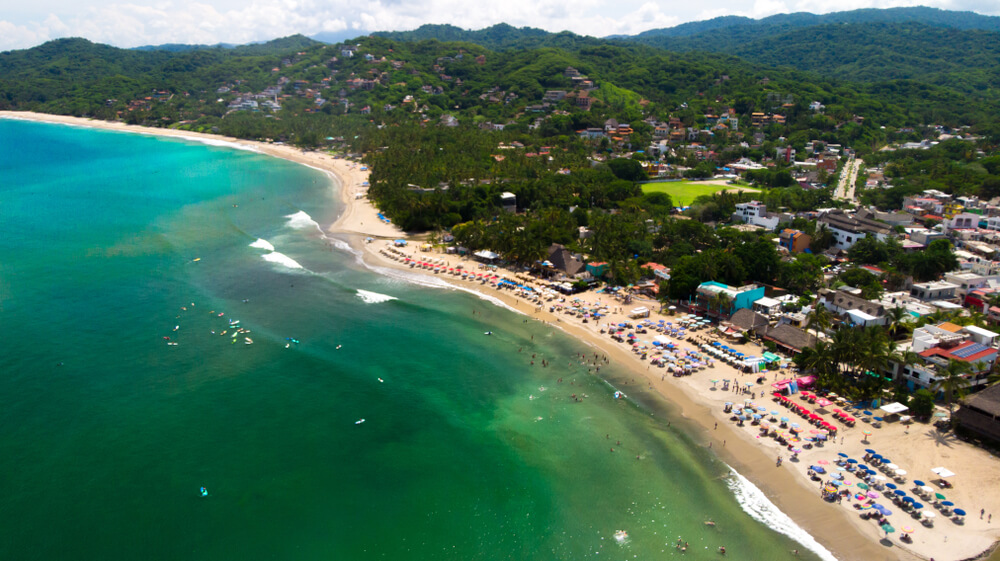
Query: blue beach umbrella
x=899 y=492
x=909 y=500
x=890 y=485
x=882 y=509
x=919 y=483
x=841 y=454
x=947 y=503
x=870 y=451
x=784 y=419
x=818 y=469
x=863 y=467
x=918 y=506
x=852 y=461
x=959 y=512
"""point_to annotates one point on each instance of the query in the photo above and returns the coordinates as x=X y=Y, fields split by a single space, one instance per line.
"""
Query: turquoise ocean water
x=112 y=242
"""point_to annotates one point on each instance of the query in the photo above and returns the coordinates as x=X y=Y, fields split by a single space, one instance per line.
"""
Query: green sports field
x=684 y=193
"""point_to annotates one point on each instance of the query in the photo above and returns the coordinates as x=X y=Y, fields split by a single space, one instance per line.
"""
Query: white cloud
x=144 y=22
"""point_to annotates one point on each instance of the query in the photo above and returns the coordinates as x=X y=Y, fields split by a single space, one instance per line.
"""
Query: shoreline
x=837 y=529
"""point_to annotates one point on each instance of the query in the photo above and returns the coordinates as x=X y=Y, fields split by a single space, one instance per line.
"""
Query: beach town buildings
x=794 y=241
x=936 y=345
x=847 y=304
x=979 y=413
x=755 y=212
x=723 y=300
x=847 y=229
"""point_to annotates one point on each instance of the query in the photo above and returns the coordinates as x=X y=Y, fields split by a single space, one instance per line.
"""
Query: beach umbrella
x=784 y=419
x=852 y=461
x=869 y=450
x=863 y=486
x=890 y=485
x=918 y=483
x=917 y=506
x=900 y=472
x=940 y=497
x=873 y=495
x=822 y=462
x=866 y=432
x=892 y=466
x=863 y=467
x=888 y=529
x=879 y=419
x=909 y=500
x=928 y=514
x=842 y=455
x=879 y=477
x=837 y=476
x=899 y=492
x=762 y=409
x=830 y=489
x=959 y=512
x=947 y=503
x=883 y=510
x=906 y=529
x=866 y=412
x=774 y=413
x=926 y=489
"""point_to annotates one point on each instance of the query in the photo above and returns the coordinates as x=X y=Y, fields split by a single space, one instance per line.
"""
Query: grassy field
x=684 y=193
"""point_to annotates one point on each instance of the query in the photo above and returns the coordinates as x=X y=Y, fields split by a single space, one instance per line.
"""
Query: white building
x=935 y=290
x=755 y=213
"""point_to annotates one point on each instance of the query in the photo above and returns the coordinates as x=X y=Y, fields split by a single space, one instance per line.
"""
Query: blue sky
x=132 y=23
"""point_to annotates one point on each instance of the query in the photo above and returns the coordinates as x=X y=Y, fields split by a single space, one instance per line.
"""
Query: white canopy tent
x=893 y=408
x=943 y=472
x=486 y=255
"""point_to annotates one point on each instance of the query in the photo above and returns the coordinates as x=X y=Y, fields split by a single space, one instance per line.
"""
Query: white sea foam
x=374 y=297
x=208 y=141
x=301 y=220
x=760 y=508
x=261 y=243
x=281 y=259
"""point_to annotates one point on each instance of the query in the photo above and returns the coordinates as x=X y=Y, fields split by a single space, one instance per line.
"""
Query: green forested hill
x=499 y=37
x=861 y=51
x=781 y=23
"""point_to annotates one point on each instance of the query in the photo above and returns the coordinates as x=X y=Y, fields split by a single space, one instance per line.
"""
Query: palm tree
x=897 y=319
x=723 y=302
x=819 y=360
x=820 y=319
x=952 y=381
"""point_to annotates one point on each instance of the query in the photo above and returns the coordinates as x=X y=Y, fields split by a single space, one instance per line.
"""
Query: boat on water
x=359 y=421
x=621 y=535
x=247 y=341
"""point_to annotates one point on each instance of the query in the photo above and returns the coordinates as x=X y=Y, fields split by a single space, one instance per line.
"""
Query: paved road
x=849 y=176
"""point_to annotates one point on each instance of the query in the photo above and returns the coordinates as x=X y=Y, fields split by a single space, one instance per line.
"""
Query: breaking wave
x=281 y=259
x=301 y=220
x=760 y=508
x=374 y=297
x=261 y=243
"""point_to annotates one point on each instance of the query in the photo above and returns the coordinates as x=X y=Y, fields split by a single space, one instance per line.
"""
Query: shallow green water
x=467 y=450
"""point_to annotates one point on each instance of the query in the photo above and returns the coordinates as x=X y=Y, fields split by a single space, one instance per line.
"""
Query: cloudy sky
x=132 y=23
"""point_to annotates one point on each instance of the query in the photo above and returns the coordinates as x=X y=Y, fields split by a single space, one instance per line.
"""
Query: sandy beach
x=837 y=526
